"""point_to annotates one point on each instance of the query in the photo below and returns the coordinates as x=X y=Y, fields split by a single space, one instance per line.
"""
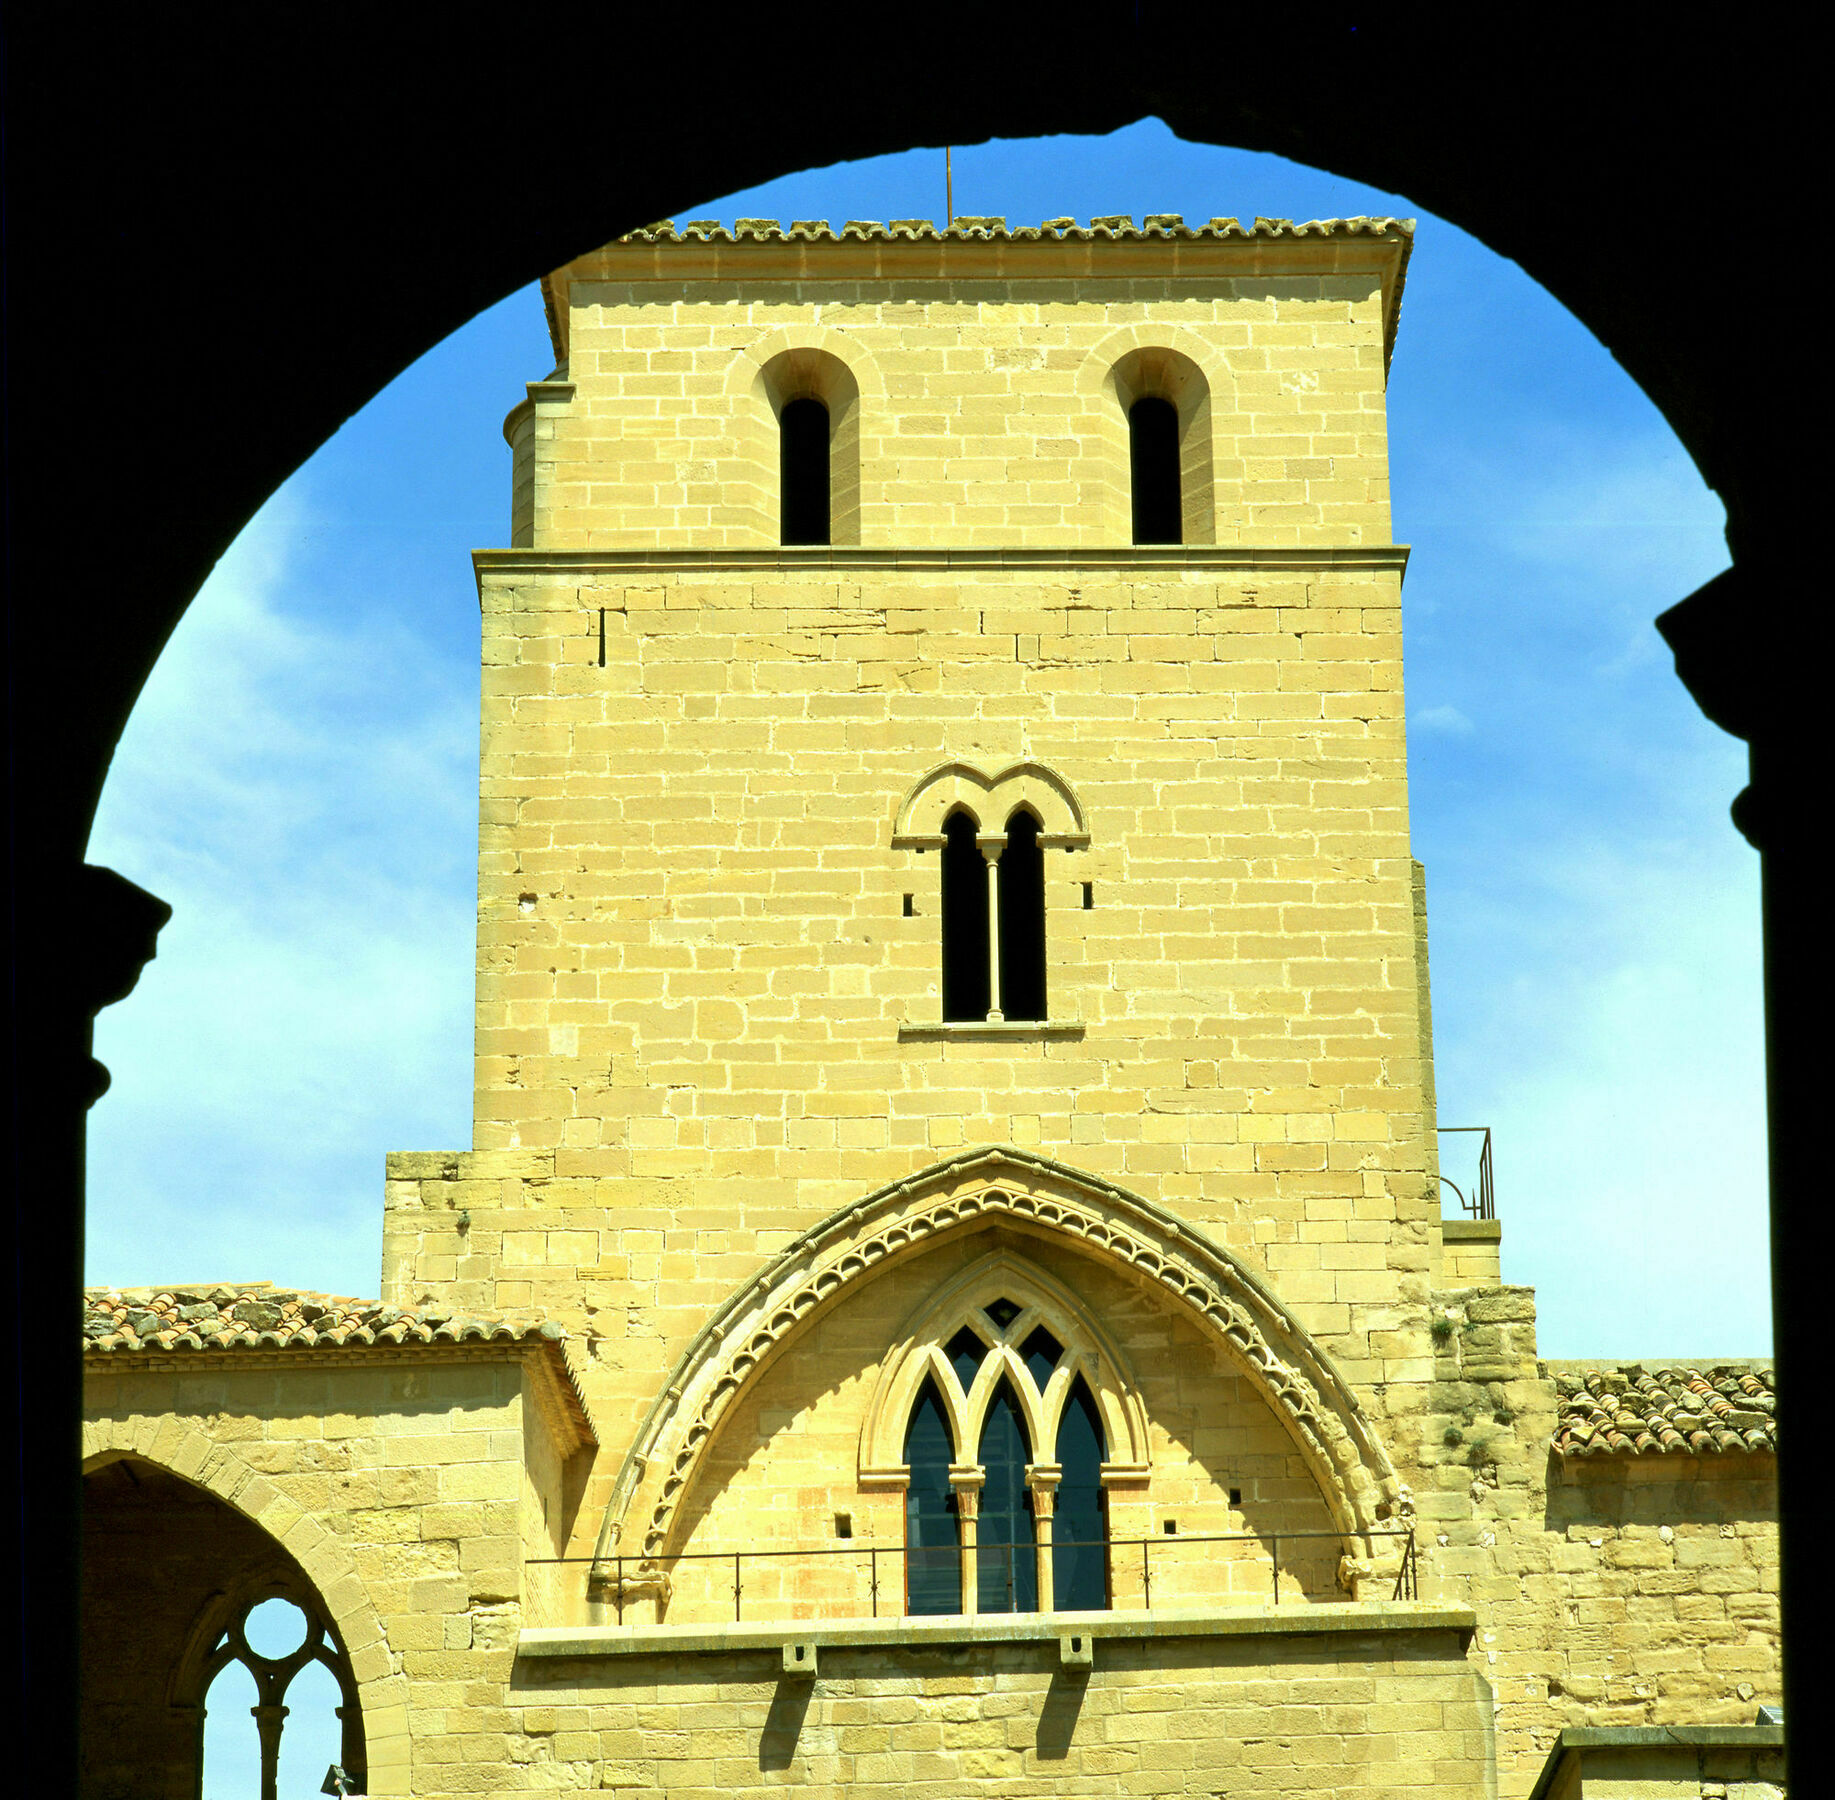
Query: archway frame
x=1167 y=362
x=1027 y=1194
x=805 y=362
x=185 y=1450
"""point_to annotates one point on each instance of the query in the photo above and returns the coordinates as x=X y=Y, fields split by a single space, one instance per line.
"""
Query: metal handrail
x=1407 y=1584
x=1483 y=1203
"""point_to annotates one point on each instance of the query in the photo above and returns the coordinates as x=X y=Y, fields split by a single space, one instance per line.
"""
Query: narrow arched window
x=1153 y=460
x=1079 y=1548
x=1022 y=921
x=1006 y=1555
x=966 y=979
x=933 y=1554
x=802 y=466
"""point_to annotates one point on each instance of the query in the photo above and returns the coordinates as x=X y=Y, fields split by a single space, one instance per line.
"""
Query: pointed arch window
x=933 y=1555
x=1007 y=1575
x=1080 y=1558
x=1007 y=1369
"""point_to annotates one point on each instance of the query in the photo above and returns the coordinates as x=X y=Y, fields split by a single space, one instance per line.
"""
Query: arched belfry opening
x=803 y=471
x=1153 y=469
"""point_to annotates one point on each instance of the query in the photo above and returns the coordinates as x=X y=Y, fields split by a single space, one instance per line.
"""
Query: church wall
x=694 y=965
x=1254 y=1718
x=988 y=410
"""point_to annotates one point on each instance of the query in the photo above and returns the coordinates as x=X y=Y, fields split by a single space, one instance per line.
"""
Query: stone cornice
x=1138 y=559
x=1164 y=247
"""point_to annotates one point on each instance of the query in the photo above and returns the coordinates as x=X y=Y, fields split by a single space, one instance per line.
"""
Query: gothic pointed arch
x=331 y=1592
x=1027 y=1195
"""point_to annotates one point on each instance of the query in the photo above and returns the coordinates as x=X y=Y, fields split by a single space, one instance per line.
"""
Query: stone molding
x=990 y=800
x=1019 y=1190
x=1143 y=560
x=193 y=1455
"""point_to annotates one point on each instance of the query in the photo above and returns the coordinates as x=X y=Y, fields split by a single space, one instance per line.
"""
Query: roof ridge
x=1112 y=227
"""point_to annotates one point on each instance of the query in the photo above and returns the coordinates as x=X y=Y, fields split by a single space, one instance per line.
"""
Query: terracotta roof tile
x=1727 y=1409
x=257 y=1315
x=1119 y=227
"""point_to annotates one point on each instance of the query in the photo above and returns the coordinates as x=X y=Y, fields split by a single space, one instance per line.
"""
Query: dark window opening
x=1153 y=460
x=1003 y=1312
x=1022 y=921
x=1089 y=896
x=1079 y=1554
x=802 y=468
x=1006 y=1558
x=910 y=909
x=933 y=1556
x=965 y=1351
x=965 y=921
x=1041 y=1352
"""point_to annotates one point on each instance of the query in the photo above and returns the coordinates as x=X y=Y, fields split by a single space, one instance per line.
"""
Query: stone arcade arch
x=1028 y=1195
x=1456 y=149
x=310 y=1566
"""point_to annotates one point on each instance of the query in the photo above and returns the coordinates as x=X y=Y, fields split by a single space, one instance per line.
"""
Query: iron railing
x=645 y=1570
x=1483 y=1201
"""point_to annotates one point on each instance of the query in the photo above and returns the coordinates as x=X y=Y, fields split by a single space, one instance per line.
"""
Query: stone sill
x=1301 y=1619
x=980 y=1030
x=1471 y=1231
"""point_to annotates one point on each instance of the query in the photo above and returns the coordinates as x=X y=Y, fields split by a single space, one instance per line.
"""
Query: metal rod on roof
x=949 y=187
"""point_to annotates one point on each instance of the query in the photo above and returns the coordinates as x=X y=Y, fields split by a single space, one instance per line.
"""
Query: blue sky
x=299 y=780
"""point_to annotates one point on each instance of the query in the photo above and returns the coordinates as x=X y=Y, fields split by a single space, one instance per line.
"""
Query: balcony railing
x=1478 y=1198
x=874 y=1580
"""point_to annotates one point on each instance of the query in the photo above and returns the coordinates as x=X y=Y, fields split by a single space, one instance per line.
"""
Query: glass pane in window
x=933 y=1560
x=1041 y=1352
x=965 y=1351
x=1007 y=1558
x=1080 y=1559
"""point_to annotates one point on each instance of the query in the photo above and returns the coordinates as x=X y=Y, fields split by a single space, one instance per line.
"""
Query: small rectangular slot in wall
x=910 y=909
x=844 y=1525
x=602 y=637
x=1236 y=1496
x=1089 y=896
x=1172 y=1527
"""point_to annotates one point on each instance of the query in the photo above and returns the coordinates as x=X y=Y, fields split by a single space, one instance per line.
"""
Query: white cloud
x=1446 y=719
x=309 y=1005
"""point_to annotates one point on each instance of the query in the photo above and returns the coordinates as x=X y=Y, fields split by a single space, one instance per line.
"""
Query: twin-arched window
x=1020 y=1526
x=993 y=919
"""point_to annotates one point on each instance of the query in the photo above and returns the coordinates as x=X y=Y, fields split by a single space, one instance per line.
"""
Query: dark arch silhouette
x=281 y=215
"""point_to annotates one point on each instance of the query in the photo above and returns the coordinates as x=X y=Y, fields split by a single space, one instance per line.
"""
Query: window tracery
x=1004 y=1400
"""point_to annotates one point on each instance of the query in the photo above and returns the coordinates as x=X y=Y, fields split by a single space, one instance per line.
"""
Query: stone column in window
x=967 y=1484
x=1042 y=1482
x=990 y=848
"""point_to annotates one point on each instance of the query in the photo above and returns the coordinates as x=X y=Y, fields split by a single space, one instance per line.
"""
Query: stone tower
x=948 y=1294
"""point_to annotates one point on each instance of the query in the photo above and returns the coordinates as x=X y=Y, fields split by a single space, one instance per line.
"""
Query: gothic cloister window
x=992 y=837
x=273 y=1644
x=1004 y=1402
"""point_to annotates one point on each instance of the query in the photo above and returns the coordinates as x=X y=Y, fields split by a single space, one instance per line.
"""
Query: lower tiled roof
x=1629 y=1410
x=257 y=1315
